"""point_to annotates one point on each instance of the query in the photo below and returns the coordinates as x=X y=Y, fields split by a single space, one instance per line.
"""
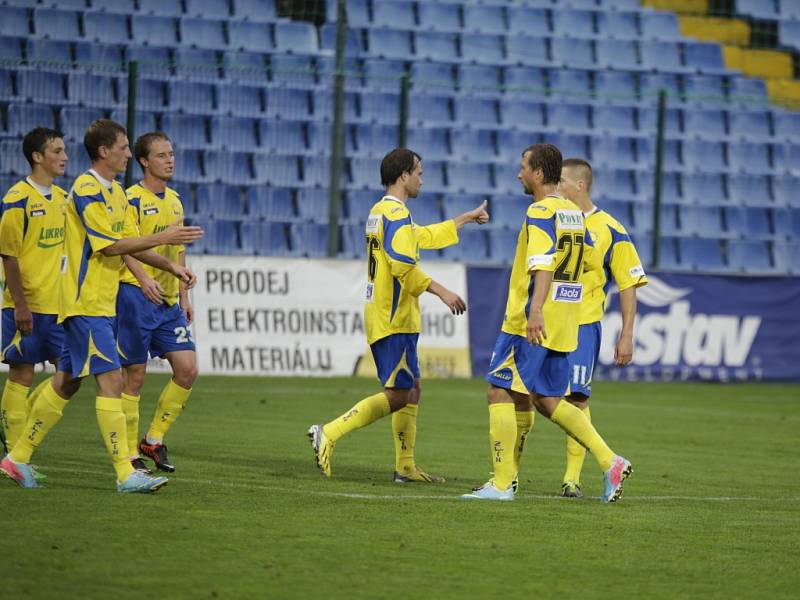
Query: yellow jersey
x=32 y=230
x=394 y=278
x=614 y=257
x=97 y=217
x=153 y=213
x=553 y=238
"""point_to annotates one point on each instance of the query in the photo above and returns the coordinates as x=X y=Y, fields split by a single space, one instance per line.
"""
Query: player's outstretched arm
x=154 y=259
x=477 y=215
x=453 y=301
x=183 y=294
x=151 y=289
x=623 y=352
x=535 y=331
x=174 y=235
x=23 y=319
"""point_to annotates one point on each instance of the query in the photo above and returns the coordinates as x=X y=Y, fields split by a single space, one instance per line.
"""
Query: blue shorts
x=44 y=343
x=90 y=346
x=396 y=359
x=145 y=327
x=522 y=367
x=583 y=360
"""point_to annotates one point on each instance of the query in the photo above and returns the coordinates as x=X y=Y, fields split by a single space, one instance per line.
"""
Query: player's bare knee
x=64 y=385
x=398 y=398
x=133 y=379
x=578 y=400
x=186 y=375
x=21 y=374
x=496 y=395
x=545 y=405
x=110 y=384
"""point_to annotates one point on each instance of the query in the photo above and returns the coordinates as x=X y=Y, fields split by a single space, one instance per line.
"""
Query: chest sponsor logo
x=567 y=292
x=150 y=211
x=569 y=219
x=38 y=212
x=50 y=237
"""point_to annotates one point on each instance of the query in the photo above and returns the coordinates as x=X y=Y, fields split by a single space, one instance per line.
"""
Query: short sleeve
x=541 y=248
x=12 y=225
x=93 y=213
x=626 y=266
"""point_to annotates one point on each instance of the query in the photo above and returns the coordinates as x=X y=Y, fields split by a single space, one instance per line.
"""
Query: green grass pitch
x=712 y=509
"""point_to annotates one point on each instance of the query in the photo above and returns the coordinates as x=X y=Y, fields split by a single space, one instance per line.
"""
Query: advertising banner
x=688 y=327
x=272 y=316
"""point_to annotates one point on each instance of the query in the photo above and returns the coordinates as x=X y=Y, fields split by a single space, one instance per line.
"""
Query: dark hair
x=102 y=132
x=547 y=158
x=583 y=167
x=142 y=147
x=397 y=162
x=36 y=140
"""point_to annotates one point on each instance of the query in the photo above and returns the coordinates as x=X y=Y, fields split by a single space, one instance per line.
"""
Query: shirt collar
x=101 y=179
x=43 y=190
x=591 y=212
x=388 y=197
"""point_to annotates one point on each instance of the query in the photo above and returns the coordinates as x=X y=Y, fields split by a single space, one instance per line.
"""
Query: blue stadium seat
x=380 y=108
x=570 y=83
x=658 y=25
x=296 y=37
x=152 y=62
x=108 y=28
x=749 y=190
x=357 y=12
x=620 y=210
x=505 y=174
x=438 y=17
x=49 y=55
x=6 y=86
x=252 y=37
x=389 y=43
x=143 y=121
x=749 y=256
x=154 y=31
x=704 y=91
x=502 y=246
x=704 y=124
x=353 y=241
x=615 y=87
x=437 y=77
x=671 y=223
x=786 y=224
x=648 y=122
x=522 y=114
x=748 y=222
x=476 y=112
x=526 y=82
x=662 y=56
x=11 y=49
x=701 y=155
x=199 y=247
x=789 y=10
x=322 y=104
x=49 y=23
x=748 y=157
x=284 y=137
x=704 y=57
x=617 y=54
x=789 y=33
x=91 y=90
x=703 y=221
x=786 y=125
x=569 y=144
x=529 y=21
x=393 y=15
x=234 y=133
x=670 y=188
x=569 y=23
x=615 y=152
x=426 y=210
x=39 y=86
x=228 y=167
x=358 y=204
x=270 y=204
x=785 y=256
x=568 y=117
x=650 y=84
x=313 y=204
x=187 y=130
x=319 y=139
x=197 y=64
x=617 y=25
x=646 y=154
x=434 y=178
x=365 y=173
x=572 y=53
x=309 y=239
x=430 y=142
x=437 y=46
x=484 y=19
x=150 y=94
x=425 y=109
x=244 y=67
x=99 y=56
x=12 y=160
x=220 y=201
x=191 y=97
x=479 y=79
x=276 y=170
x=703 y=188
x=264 y=239
x=528 y=50
x=472 y=248
x=208 y=9
x=668 y=251
x=383 y=74
x=240 y=101
x=482 y=49
x=469 y=144
x=508 y=211
x=292 y=70
x=761 y=9
x=786 y=157
x=750 y=125
x=376 y=140
x=202 y=33
x=15 y=22
x=612 y=183
x=747 y=92
x=222 y=237
x=187 y=162
x=327 y=41
x=471 y=178
x=615 y=120
x=701 y=254
x=73 y=121
x=161 y=8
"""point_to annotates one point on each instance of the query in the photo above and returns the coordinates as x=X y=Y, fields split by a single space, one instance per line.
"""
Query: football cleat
x=37 y=474
x=613 y=479
x=570 y=489
x=141 y=483
x=158 y=454
x=488 y=491
x=139 y=465
x=417 y=476
x=20 y=473
x=323 y=448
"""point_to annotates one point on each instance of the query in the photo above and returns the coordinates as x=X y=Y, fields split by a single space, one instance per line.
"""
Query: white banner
x=274 y=316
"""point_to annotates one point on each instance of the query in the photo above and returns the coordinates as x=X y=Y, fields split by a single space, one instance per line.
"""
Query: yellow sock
x=524 y=426
x=404 y=432
x=45 y=413
x=14 y=410
x=366 y=411
x=130 y=406
x=111 y=420
x=572 y=420
x=38 y=390
x=575 y=455
x=502 y=434
x=171 y=403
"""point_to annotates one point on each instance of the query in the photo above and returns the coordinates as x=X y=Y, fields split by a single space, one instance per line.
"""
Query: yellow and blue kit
x=553 y=238
x=32 y=231
x=614 y=258
x=151 y=328
x=395 y=281
x=97 y=217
